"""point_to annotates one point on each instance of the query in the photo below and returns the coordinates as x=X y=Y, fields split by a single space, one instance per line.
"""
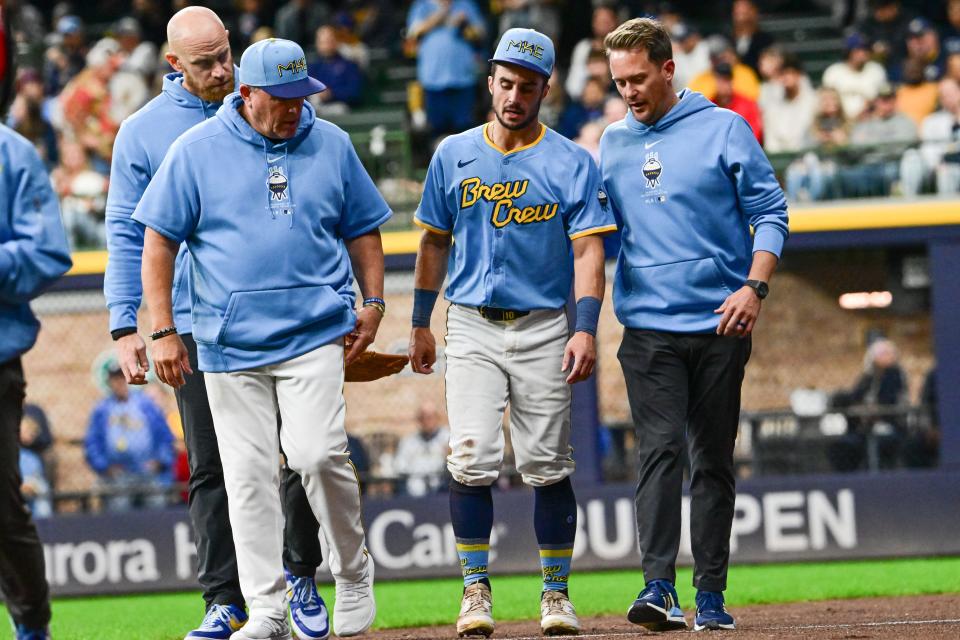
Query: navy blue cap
x=918 y=27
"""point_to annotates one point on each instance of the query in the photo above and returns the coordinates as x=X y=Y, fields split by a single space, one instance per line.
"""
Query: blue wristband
x=423 y=302
x=588 y=314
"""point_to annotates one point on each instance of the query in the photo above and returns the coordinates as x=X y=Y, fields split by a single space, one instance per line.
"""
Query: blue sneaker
x=657 y=608
x=307 y=609
x=711 y=614
x=24 y=633
x=219 y=623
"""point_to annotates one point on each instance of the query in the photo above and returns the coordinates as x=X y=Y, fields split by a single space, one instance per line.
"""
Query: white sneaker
x=476 y=611
x=557 y=615
x=355 y=607
x=260 y=627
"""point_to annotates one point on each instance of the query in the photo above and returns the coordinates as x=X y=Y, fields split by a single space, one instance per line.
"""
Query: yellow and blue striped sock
x=555 y=564
x=474 y=555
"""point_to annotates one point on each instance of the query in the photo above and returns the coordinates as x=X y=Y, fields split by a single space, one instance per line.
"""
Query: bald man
x=200 y=54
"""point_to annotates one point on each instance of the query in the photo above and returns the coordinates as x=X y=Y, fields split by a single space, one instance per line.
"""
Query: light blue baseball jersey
x=513 y=216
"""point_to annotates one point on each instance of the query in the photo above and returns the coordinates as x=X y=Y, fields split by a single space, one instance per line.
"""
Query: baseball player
x=200 y=51
x=33 y=255
x=271 y=238
x=513 y=210
x=688 y=180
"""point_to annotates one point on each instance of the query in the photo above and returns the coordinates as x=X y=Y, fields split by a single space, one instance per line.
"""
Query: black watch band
x=761 y=288
x=116 y=334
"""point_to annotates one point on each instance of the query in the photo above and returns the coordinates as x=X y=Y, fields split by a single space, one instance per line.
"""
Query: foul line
x=846 y=625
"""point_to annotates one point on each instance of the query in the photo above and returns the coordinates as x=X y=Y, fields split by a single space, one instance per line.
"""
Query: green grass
x=428 y=602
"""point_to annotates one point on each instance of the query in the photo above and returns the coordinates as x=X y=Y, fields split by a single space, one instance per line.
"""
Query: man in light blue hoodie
x=275 y=208
x=686 y=180
x=200 y=51
x=33 y=255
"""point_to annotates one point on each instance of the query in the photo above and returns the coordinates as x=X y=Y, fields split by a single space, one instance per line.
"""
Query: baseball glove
x=371 y=365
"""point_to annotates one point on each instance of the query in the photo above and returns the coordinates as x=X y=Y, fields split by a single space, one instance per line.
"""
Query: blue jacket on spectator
x=140 y=147
x=445 y=58
x=33 y=244
x=343 y=77
x=128 y=433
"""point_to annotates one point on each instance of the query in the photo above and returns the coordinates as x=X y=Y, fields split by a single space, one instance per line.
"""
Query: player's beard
x=215 y=93
x=526 y=122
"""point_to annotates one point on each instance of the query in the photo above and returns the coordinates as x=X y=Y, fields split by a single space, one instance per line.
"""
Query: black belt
x=501 y=315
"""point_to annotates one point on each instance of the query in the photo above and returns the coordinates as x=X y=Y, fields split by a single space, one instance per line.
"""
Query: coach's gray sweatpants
x=308 y=393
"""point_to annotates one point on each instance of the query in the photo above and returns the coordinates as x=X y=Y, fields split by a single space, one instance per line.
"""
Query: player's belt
x=501 y=315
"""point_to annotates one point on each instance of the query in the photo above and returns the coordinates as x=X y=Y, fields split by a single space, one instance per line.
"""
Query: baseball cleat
x=260 y=627
x=355 y=607
x=24 y=632
x=219 y=623
x=557 y=615
x=656 y=608
x=712 y=615
x=308 y=612
x=476 y=611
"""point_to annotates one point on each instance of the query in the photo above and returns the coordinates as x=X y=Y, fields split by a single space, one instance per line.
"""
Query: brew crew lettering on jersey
x=513 y=216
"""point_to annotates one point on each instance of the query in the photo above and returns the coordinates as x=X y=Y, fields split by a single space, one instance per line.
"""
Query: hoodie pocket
x=266 y=319
x=678 y=286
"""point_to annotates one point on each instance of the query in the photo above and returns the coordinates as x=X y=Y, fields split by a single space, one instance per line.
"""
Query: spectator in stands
x=252 y=16
x=725 y=96
x=768 y=71
x=544 y=15
x=748 y=39
x=298 y=20
x=938 y=157
x=614 y=110
x=68 y=57
x=923 y=50
x=857 y=78
x=921 y=449
x=554 y=102
x=444 y=32
x=378 y=22
x=811 y=177
x=879 y=168
x=83 y=197
x=86 y=103
x=788 y=109
x=152 y=21
x=951 y=31
x=603 y=22
x=35 y=486
x=871 y=407
x=951 y=68
x=589 y=138
x=140 y=56
x=745 y=81
x=27 y=117
x=917 y=96
x=343 y=78
x=349 y=44
x=129 y=445
x=589 y=107
x=421 y=458
x=886 y=30
x=691 y=55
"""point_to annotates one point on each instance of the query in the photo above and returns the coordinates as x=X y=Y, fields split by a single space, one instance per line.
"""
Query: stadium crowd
x=883 y=118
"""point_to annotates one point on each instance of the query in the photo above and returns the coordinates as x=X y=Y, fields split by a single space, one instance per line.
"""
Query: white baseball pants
x=489 y=363
x=308 y=392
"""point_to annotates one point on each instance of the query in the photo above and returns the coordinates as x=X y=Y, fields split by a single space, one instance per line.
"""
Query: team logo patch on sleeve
x=652 y=170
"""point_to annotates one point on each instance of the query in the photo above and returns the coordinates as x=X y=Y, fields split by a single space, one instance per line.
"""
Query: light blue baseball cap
x=528 y=48
x=279 y=67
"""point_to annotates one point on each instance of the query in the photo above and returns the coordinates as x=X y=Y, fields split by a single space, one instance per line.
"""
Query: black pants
x=23 y=580
x=216 y=556
x=684 y=392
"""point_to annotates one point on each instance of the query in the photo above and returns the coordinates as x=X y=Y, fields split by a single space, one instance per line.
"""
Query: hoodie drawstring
x=279 y=193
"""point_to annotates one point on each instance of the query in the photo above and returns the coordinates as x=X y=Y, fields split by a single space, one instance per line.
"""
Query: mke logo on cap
x=294 y=67
x=523 y=46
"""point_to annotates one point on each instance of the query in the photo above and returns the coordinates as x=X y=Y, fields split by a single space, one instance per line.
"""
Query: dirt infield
x=933 y=617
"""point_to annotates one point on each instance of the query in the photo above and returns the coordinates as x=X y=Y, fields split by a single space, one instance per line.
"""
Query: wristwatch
x=760 y=287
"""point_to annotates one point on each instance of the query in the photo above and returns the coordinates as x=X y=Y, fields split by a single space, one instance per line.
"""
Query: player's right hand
x=422 y=351
x=171 y=359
